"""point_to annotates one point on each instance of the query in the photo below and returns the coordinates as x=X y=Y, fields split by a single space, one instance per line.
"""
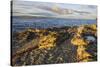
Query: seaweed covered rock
x=55 y=45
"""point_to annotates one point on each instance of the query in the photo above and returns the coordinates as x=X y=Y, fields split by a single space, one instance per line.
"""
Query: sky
x=60 y=10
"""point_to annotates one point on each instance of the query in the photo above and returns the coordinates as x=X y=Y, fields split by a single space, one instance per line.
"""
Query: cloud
x=54 y=10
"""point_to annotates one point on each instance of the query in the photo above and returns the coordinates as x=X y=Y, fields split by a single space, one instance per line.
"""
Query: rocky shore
x=54 y=45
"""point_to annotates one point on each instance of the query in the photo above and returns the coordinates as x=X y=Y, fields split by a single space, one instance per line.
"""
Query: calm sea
x=19 y=24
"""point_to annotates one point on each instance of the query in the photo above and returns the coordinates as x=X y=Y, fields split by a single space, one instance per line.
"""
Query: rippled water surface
x=19 y=23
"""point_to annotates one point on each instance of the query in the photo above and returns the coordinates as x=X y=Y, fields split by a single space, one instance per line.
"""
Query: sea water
x=19 y=24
